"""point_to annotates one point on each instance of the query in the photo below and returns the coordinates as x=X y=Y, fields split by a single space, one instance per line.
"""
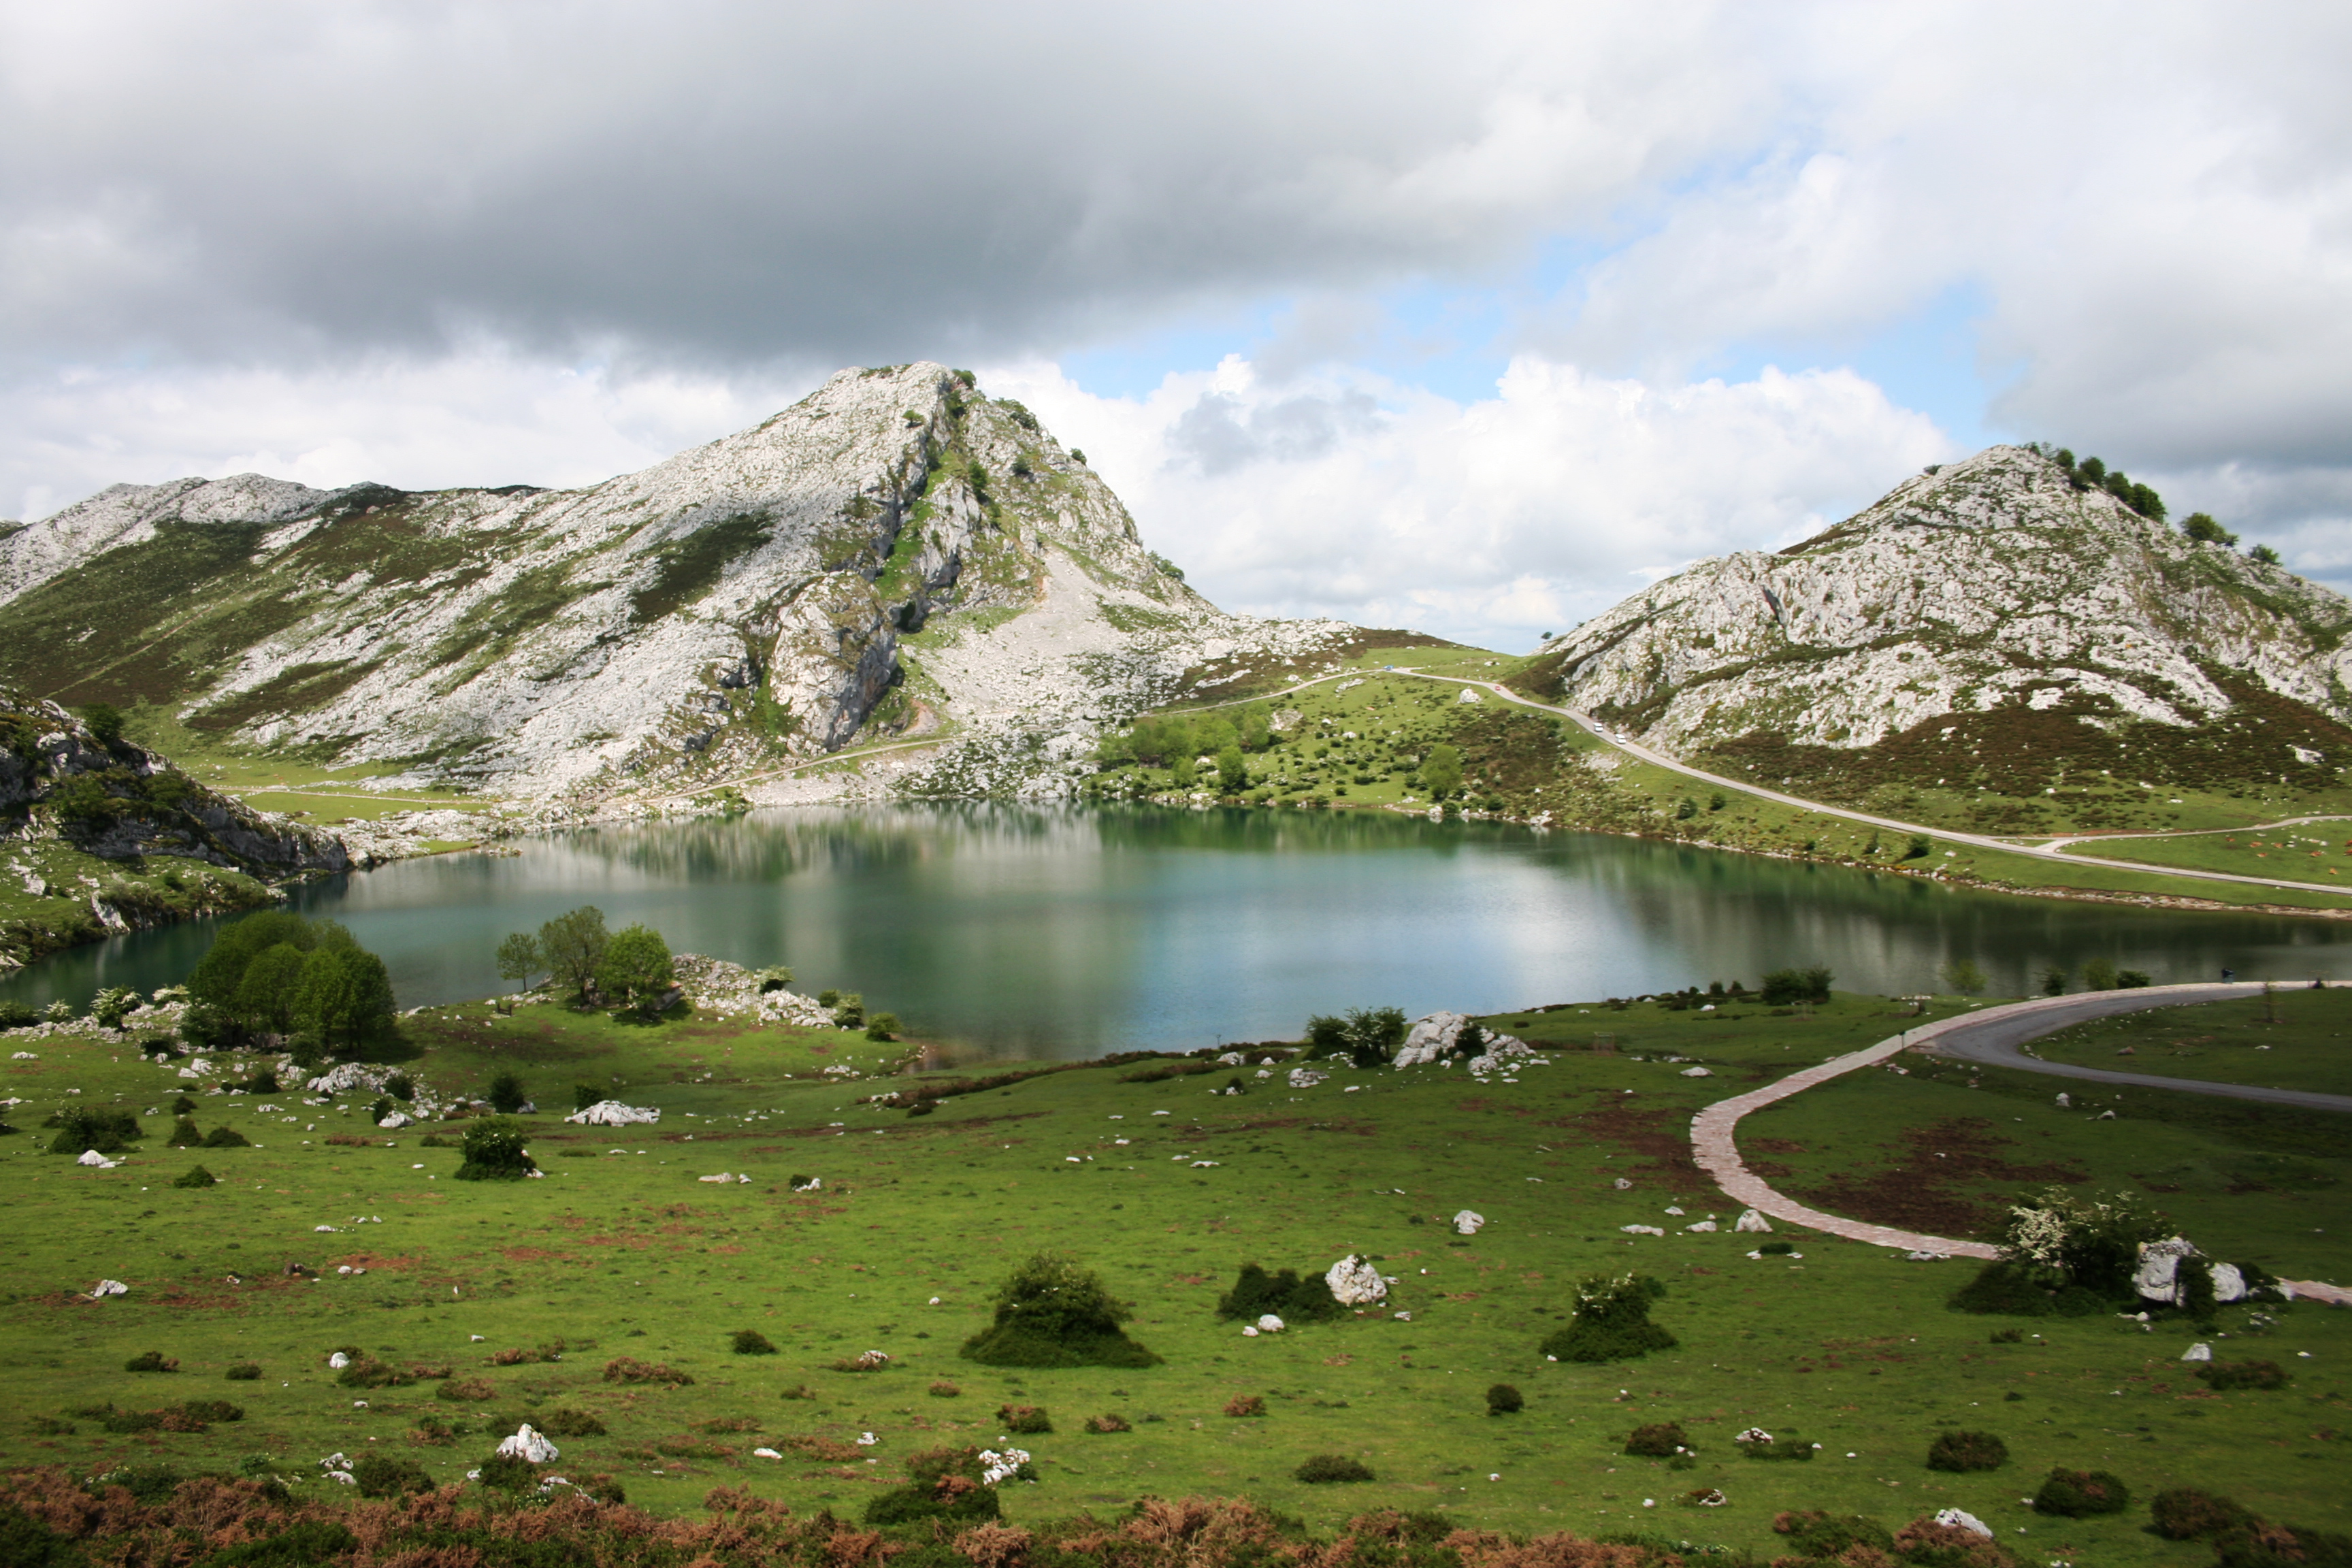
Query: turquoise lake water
x=1071 y=932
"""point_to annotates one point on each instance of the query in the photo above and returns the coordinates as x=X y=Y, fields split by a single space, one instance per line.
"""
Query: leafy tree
x=850 y=1009
x=494 y=1151
x=1114 y=748
x=2053 y=981
x=84 y=801
x=2098 y=974
x=1441 y=769
x=1232 y=771
x=1256 y=728
x=1179 y=773
x=1326 y=1036
x=2200 y=527
x=1214 y=734
x=635 y=967
x=519 y=958
x=272 y=983
x=105 y=722
x=1783 y=986
x=572 y=945
x=2263 y=554
x=1962 y=975
x=345 y=997
x=882 y=1026
x=1052 y=1312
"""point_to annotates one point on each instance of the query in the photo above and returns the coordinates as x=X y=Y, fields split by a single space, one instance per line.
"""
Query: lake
x=1071 y=932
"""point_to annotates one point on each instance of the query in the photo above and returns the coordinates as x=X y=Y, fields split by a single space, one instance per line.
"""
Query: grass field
x=621 y=1251
x=2316 y=852
x=2292 y=1039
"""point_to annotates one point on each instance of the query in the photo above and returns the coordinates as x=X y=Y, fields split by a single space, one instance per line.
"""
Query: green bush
x=195 y=1176
x=1964 y=1451
x=2060 y=1240
x=507 y=1474
x=585 y=1095
x=1051 y=1312
x=244 y=1371
x=26 y=1542
x=494 y=1152
x=1658 y=1440
x=1783 y=987
x=226 y=1137
x=571 y=1423
x=636 y=968
x=2078 y=1494
x=1501 y=1399
x=1285 y=1294
x=381 y=1474
x=751 y=1342
x=81 y=1128
x=17 y=1015
x=1325 y=1470
x=2284 y=1546
x=1814 y=1533
x=1611 y=1321
x=507 y=1094
x=882 y=1026
x=2183 y=1513
x=1028 y=1420
x=2230 y=1374
x=150 y=1361
x=943 y=1484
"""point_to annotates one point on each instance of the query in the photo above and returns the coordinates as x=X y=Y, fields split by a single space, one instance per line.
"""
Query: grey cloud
x=1219 y=434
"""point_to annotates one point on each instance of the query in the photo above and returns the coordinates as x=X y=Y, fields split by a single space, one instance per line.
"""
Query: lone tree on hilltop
x=636 y=968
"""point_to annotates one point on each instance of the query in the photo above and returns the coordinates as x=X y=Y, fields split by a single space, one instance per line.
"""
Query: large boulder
x=528 y=1444
x=1438 y=1036
x=612 y=1113
x=2157 y=1278
x=1354 y=1281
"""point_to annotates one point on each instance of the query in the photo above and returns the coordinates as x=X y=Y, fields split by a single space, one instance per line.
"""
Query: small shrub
x=152 y=1361
x=751 y=1342
x=1612 y=1321
x=1923 y=1543
x=1285 y=1295
x=1028 y=1419
x=1964 y=1451
x=437 y=1433
x=463 y=1390
x=1326 y=1469
x=507 y=1474
x=882 y=1026
x=2077 y=1494
x=494 y=1152
x=184 y=1106
x=570 y=1424
x=1051 y=1312
x=225 y=1137
x=244 y=1371
x=368 y=1372
x=803 y=1391
x=1108 y=1422
x=628 y=1369
x=195 y=1176
x=83 y=1128
x=2228 y=1375
x=729 y=1424
x=1814 y=1533
x=1504 y=1400
x=507 y=1095
x=943 y=1389
x=2284 y=1546
x=1776 y=1249
x=1658 y=1440
x=2183 y=1513
x=943 y=1484
x=1246 y=1405
x=381 y=1474
x=2009 y=1336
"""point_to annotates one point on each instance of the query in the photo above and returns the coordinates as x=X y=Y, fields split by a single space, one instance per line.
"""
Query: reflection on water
x=1071 y=932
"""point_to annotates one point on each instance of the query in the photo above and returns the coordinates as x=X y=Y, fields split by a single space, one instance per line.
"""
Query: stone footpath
x=1716 y=1151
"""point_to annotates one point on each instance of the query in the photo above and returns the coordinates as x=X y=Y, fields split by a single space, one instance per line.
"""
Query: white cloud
x=1492 y=520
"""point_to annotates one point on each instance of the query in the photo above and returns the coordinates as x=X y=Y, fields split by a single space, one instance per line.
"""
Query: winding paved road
x=1984 y=1036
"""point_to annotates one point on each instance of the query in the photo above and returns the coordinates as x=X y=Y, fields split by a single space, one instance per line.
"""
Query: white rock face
x=398 y=1119
x=1991 y=583
x=1963 y=1520
x=338 y=1361
x=1751 y=1221
x=527 y=1443
x=105 y=1287
x=756 y=601
x=612 y=1113
x=1436 y=1036
x=1354 y=1281
x=92 y=1157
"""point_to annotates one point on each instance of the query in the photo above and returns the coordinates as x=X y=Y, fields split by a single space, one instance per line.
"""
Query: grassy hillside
x=1168 y=1187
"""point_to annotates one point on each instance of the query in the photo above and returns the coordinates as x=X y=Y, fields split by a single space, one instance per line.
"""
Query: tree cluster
x=631 y=966
x=304 y=981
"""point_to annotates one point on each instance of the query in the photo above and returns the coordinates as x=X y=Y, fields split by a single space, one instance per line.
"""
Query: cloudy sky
x=1471 y=318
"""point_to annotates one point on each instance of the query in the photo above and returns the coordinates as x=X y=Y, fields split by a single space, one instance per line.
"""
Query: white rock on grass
x=396 y=1121
x=1642 y=1230
x=91 y=1157
x=1622 y=1185
x=2157 y=1278
x=105 y=1287
x=1434 y=1039
x=1751 y=1221
x=338 y=1361
x=1268 y=1323
x=1697 y=1072
x=1302 y=1077
x=528 y=1444
x=1963 y=1520
x=1703 y=1225
x=2199 y=1352
x=612 y=1113
x=1468 y=1222
x=1355 y=1282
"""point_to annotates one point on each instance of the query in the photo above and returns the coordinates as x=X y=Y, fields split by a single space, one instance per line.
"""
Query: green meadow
x=515 y=1296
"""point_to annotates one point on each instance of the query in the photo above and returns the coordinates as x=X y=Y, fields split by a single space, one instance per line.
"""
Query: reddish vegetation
x=1937 y=1181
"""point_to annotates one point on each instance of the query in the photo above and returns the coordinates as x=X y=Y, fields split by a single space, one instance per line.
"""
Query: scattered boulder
x=528 y=1444
x=105 y=1287
x=2199 y=1352
x=1467 y=1222
x=97 y=1161
x=396 y=1121
x=1356 y=1282
x=1960 y=1519
x=1642 y=1229
x=1697 y=1072
x=1269 y=1324
x=1622 y=1185
x=1703 y=1225
x=338 y=1361
x=1750 y=1220
x=2065 y=1102
x=612 y=1113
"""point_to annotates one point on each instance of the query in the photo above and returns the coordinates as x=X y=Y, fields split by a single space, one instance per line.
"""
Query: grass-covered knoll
x=858 y=1217
x=2289 y=1037
x=2306 y=852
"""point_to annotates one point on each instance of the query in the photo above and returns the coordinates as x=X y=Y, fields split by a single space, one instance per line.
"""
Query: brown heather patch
x=1927 y=1187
